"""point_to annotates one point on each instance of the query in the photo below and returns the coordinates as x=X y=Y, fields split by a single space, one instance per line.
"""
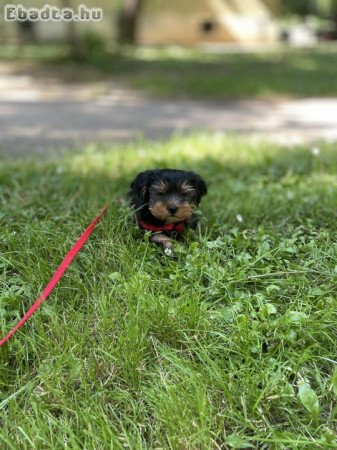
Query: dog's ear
x=140 y=188
x=199 y=186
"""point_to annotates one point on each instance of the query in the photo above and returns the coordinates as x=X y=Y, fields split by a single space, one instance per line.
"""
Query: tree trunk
x=77 y=46
x=128 y=21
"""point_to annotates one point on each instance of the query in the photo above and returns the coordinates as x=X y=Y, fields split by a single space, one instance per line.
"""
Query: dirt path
x=37 y=117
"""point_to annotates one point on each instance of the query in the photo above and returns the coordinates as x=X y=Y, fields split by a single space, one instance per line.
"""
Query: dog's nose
x=172 y=209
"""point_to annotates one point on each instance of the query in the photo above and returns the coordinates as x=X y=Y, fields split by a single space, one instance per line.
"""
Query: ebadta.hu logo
x=50 y=13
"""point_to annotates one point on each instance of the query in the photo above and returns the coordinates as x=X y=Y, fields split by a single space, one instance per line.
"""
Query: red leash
x=58 y=274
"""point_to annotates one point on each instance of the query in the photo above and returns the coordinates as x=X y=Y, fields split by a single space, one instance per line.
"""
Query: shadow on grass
x=179 y=72
x=264 y=184
x=289 y=73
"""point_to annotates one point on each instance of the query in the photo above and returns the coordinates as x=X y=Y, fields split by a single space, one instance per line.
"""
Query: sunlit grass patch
x=232 y=345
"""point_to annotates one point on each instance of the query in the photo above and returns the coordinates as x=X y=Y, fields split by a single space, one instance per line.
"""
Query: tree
x=77 y=46
x=128 y=21
x=305 y=7
x=299 y=7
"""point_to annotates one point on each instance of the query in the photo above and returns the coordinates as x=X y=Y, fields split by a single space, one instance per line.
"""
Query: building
x=182 y=22
x=192 y=22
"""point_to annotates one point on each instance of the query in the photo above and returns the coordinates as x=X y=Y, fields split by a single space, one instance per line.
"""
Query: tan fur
x=160 y=187
x=186 y=187
x=161 y=239
x=159 y=210
x=184 y=212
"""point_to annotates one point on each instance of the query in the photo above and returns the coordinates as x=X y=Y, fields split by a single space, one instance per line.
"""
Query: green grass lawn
x=231 y=346
x=197 y=74
x=177 y=72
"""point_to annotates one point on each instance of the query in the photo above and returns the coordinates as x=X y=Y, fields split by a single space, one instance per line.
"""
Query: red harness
x=177 y=227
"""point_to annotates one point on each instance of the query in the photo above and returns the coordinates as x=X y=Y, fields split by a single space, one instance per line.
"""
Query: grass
x=177 y=72
x=231 y=346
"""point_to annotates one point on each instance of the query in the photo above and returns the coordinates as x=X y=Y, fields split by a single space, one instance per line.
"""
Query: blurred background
x=186 y=22
x=151 y=68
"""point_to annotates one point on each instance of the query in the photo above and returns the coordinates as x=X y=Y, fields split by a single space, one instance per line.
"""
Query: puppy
x=164 y=201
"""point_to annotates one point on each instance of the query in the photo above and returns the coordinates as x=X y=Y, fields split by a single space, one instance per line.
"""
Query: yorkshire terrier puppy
x=164 y=201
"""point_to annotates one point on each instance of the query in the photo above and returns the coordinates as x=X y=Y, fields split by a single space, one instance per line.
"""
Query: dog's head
x=170 y=195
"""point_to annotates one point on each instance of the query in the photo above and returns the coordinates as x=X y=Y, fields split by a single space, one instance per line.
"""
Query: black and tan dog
x=164 y=201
